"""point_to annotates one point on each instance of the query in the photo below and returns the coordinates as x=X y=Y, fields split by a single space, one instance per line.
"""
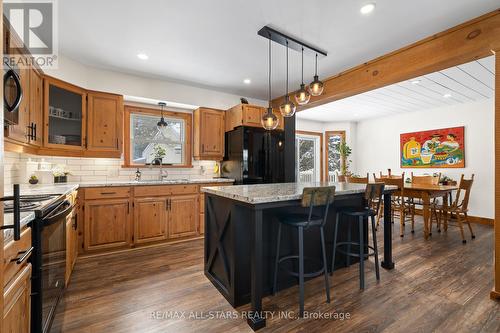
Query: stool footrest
x=307 y=275
x=355 y=254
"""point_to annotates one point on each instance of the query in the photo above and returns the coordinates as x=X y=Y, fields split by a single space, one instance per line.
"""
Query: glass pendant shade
x=316 y=87
x=269 y=121
x=288 y=108
x=302 y=96
x=162 y=124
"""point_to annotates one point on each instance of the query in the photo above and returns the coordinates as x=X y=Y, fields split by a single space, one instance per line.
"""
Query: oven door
x=12 y=94
x=53 y=246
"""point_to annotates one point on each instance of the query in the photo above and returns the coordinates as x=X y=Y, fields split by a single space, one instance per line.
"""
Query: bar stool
x=311 y=197
x=373 y=197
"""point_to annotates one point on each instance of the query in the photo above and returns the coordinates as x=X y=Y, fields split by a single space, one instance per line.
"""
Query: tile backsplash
x=19 y=167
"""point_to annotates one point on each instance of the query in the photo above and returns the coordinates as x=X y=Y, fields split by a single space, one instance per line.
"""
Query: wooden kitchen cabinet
x=183 y=216
x=71 y=243
x=107 y=224
x=105 y=115
x=36 y=108
x=17 y=303
x=248 y=115
x=150 y=219
x=65 y=112
x=208 y=134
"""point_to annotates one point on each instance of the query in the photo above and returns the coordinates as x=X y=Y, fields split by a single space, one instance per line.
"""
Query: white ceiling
x=215 y=43
x=466 y=83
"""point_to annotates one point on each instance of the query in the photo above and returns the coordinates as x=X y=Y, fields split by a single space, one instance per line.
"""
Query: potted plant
x=33 y=180
x=60 y=174
x=158 y=154
x=345 y=151
x=445 y=180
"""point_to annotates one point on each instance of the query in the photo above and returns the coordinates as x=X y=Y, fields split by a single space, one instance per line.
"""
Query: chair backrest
x=426 y=179
x=463 y=191
x=373 y=195
x=358 y=180
x=396 y=181
x=318 y=196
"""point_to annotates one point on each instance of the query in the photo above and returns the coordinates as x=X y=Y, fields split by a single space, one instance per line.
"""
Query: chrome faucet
x=138 y=175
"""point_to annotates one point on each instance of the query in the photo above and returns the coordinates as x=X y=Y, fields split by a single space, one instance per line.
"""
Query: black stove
x=30 y=202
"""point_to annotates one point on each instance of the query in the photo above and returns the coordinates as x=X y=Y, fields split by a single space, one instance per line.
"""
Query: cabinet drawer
x=107 y=192
x=14 y=250
x=149 y=191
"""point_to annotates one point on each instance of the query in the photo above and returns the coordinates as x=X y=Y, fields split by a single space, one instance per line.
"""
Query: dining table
x=427 y=192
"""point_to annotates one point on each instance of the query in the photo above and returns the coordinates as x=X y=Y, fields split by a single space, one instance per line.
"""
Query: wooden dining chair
x=399 y=201
x=358 y=180
x=424 y=180
x=458 y=208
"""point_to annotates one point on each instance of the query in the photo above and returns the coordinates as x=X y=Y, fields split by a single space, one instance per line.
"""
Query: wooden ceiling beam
x=466 y=42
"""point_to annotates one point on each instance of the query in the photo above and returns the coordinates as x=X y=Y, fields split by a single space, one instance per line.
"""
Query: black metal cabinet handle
x=25 y=255
x=17 y=213
x=108 y=193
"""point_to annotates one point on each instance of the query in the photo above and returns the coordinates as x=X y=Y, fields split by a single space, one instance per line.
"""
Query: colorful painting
x=441 y=148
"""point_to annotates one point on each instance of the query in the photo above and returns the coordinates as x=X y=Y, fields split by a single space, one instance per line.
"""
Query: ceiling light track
x=293 y=43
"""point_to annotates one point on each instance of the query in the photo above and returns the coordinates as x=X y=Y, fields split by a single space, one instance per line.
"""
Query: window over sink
x=146 y=144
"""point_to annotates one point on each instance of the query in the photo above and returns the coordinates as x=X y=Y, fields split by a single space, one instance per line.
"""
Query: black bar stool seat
x=373 y=198
x=311 y=197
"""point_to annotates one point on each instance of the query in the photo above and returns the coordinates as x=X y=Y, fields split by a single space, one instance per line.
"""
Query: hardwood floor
x=438 y=285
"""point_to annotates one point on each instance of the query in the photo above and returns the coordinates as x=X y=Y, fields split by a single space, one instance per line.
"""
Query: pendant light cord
x=316 y=67
x=302 y=65
x=286 y=96
x=269 y=71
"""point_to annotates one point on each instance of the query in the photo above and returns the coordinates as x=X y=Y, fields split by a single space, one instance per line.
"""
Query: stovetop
x=31 y=202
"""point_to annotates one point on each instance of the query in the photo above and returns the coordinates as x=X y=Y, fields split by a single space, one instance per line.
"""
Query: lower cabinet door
x=107 y=224
x=183 y=216
x=17 y=303
x=150 y=219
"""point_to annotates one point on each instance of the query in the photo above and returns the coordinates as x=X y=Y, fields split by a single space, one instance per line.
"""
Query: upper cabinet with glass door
x=65 y=115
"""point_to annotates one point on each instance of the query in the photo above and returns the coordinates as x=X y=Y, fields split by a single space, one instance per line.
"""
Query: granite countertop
x=27 y=217
x=264 y=193
x=157 y=182
x=63 y=189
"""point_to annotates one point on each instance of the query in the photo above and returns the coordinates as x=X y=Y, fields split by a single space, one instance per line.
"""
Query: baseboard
x=472 y=219
x=495 y=295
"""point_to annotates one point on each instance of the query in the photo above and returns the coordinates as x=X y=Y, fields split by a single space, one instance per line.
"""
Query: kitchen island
x=241 y=231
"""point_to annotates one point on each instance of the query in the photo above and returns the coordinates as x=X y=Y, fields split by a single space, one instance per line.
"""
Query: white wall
x=132 y=85
x=378 y=146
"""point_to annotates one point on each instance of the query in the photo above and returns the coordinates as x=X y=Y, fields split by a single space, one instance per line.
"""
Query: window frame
x=186 y=117
x=321 y=149
x=328 y=134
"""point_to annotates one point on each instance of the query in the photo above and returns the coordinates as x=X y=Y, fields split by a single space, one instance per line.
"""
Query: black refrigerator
x=254 y=156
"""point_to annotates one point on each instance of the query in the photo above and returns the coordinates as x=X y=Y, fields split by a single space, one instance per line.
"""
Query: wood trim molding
x=466 y=42
x=321 y=149
x=328 y=134
x=472 y=219
x=188 y=118
x=496 y=288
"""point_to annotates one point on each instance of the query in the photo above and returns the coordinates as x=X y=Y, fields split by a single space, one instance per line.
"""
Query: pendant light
x=162 y=124
x=302 y=96
x=288 y=108
x=269 y=121
x=316 y=87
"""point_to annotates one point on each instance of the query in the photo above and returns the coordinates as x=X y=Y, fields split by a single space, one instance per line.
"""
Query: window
x=145 y=144
x=308 y=156
x=333 y=141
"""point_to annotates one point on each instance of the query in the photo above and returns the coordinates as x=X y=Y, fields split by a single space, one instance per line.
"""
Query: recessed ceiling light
x=447 y=95
x=415 y=81
x=367 y=8
x=142 y=56
x=247 y=81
